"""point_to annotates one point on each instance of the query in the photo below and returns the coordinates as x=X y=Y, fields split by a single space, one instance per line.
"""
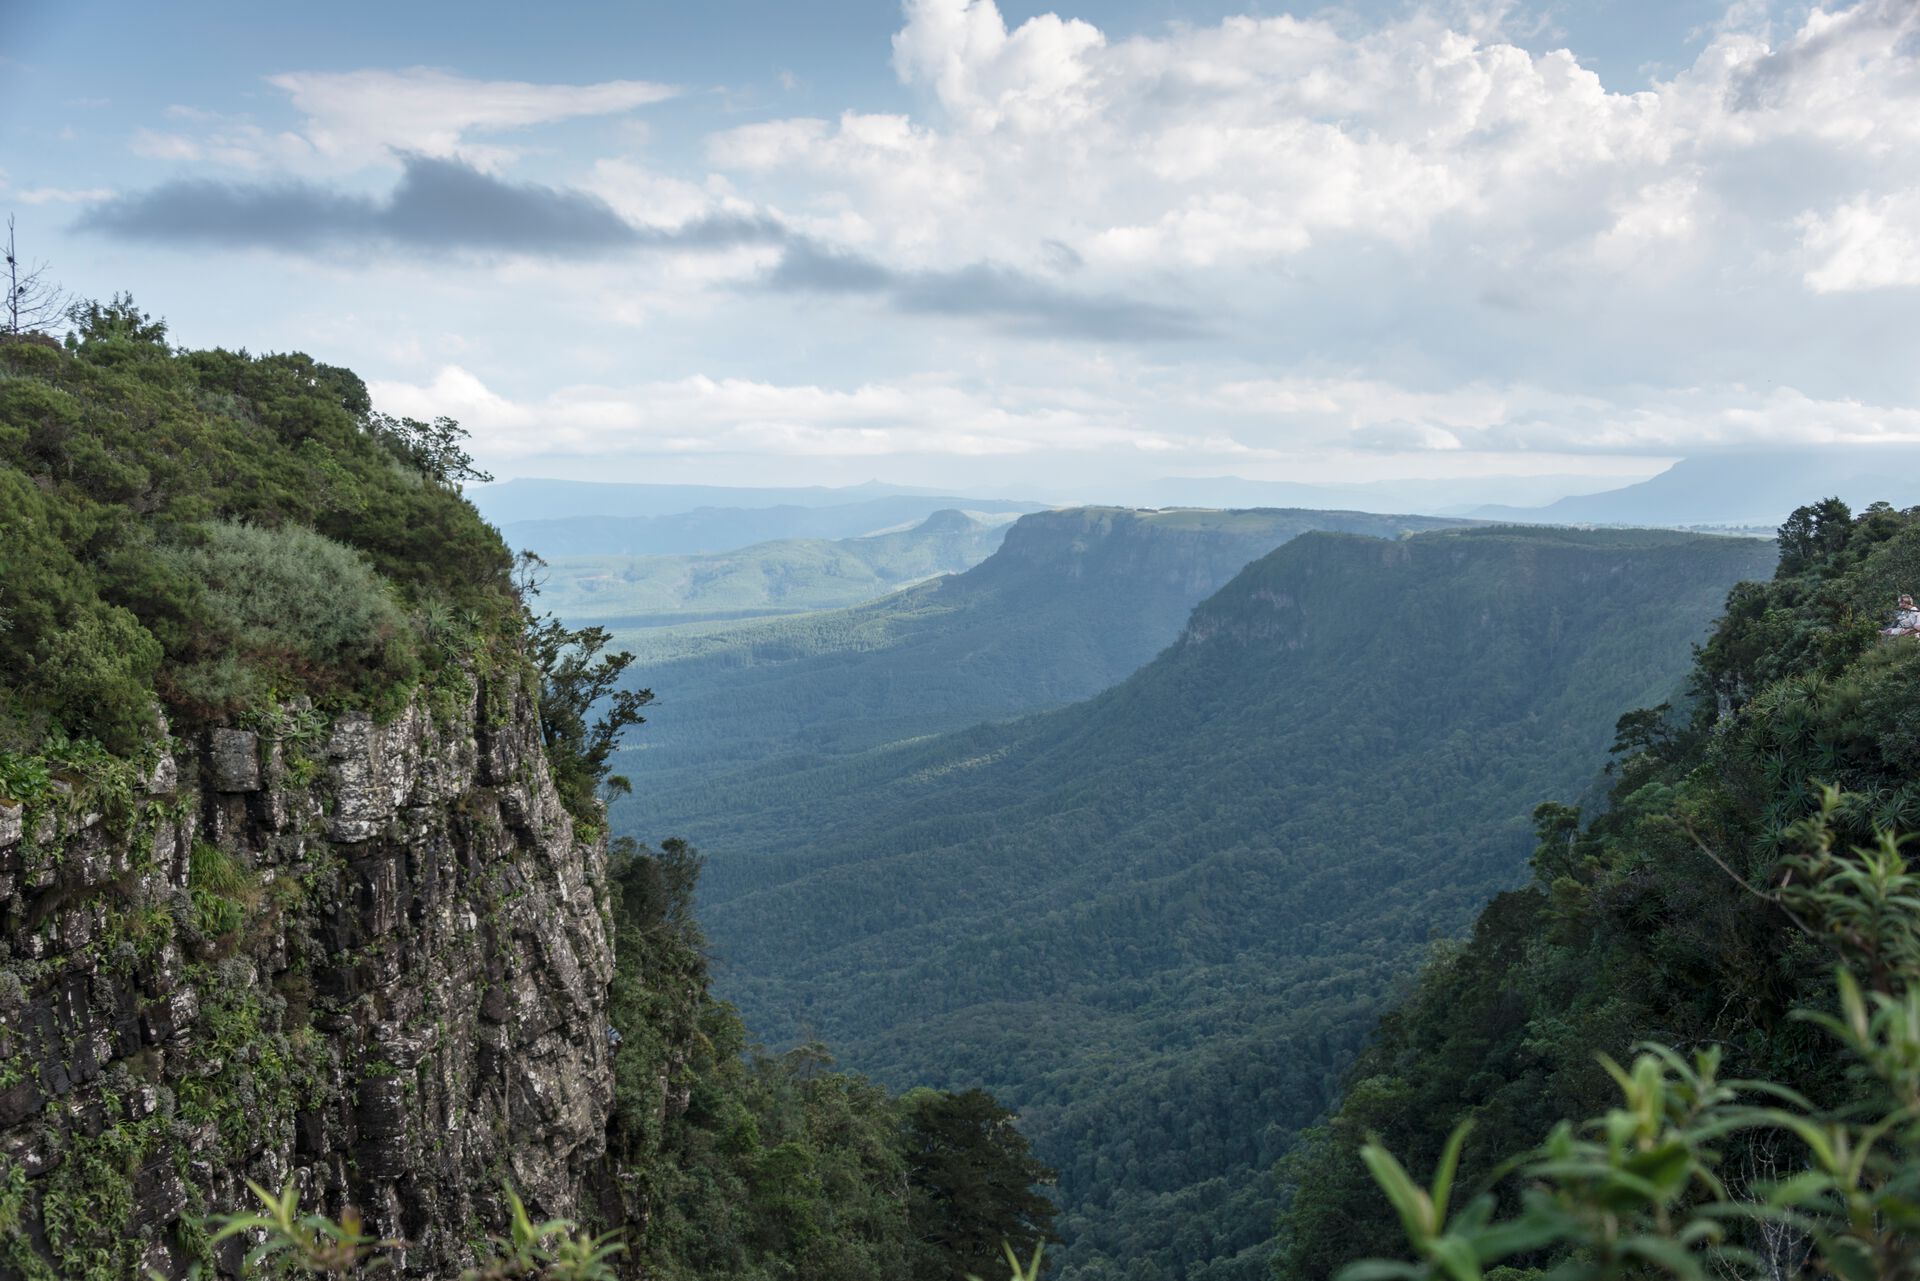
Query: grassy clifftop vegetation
x=1670 y=914
x=208 y=530
x=1160 y=922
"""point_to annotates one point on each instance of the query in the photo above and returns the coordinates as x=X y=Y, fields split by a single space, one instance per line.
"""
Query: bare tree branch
x=34 y=303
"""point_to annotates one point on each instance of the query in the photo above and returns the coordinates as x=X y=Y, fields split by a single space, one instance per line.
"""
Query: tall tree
x=972 y=1177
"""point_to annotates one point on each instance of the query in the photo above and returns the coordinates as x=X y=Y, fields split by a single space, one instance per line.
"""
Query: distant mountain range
x=565 y=517
x=1159 y=922
x=789 y=576
x=1750 y=490
x=1753 y=490
x=537 y=499
x=720 y=529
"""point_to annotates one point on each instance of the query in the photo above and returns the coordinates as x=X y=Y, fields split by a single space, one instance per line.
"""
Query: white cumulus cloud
x=355 y=118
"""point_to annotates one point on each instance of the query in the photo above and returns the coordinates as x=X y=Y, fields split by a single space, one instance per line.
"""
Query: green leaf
x=1443 y=1176
x=1379 y=1270
x=1849 y=1259
x=1412 y=1204
x=1809 y=1185
x=1455 y=1257
x=1670 y=1255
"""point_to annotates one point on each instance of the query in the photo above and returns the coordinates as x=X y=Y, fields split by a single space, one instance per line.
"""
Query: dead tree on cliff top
x=34 y=303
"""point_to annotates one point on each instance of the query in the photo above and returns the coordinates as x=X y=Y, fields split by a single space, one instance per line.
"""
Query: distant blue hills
x=1746 y=489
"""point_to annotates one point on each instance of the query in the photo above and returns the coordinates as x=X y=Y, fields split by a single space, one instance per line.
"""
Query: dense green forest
x=1160 y=922
x=1073 y=602
x=790 y=576
x=1669 y=915
x=746 y=1166
x=225 y=539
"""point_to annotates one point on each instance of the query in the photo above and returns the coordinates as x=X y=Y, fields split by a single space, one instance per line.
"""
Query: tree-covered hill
x=1160 y=922
x=1072 y=602
x=1669 y=916
x=789 y=576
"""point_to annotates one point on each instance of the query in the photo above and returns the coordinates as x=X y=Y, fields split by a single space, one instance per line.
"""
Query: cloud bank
x=1242 y=243
x=438 y=206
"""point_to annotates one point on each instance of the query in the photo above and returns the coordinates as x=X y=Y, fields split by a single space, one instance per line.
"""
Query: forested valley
x=1160 y=922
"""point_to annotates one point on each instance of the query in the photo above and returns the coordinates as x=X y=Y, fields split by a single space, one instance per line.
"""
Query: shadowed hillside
x=1159 y=922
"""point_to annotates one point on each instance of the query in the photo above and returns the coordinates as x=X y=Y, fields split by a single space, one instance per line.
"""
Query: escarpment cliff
x=1072 y=602
x=372 y=958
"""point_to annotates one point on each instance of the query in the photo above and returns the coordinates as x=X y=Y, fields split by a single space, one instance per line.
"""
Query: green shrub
x=285 y=606
x=223 y=891
x=100 y=671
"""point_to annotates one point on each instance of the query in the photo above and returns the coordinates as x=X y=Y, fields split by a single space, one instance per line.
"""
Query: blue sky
x=949 y=242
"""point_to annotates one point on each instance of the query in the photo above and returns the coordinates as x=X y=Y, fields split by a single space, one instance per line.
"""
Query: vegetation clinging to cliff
x=1637 y=924
x=737 y=1164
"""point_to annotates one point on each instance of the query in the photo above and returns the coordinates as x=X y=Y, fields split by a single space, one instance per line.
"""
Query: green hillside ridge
x=1160 y=922
x=788 y=576
x=1072 y=602
x=1633 y=926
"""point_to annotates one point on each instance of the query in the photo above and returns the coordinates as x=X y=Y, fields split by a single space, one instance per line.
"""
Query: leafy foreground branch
x=1693 y=1177
x=289 y=1243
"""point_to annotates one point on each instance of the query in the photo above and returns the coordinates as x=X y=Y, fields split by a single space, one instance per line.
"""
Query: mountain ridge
x=1072 y=601
x=1755 y=489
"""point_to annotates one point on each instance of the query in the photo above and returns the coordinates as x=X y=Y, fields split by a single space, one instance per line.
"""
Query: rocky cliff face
x=1140 y=548
x=370 y=958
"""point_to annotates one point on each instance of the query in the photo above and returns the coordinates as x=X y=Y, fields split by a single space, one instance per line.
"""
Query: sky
x=944 y=242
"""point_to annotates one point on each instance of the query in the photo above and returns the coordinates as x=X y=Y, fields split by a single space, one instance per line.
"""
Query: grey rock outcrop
x=374 y=962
